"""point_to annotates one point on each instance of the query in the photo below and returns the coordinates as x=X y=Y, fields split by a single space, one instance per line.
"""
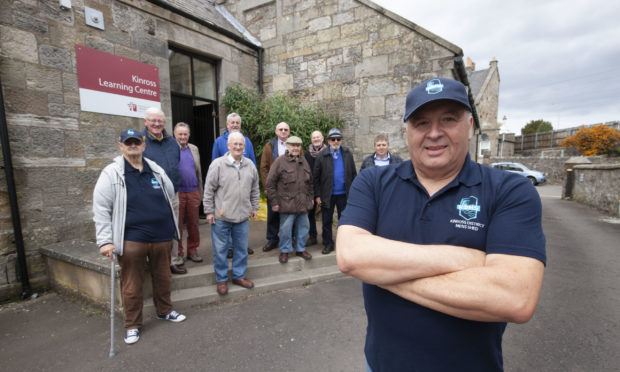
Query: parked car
x=533 y=175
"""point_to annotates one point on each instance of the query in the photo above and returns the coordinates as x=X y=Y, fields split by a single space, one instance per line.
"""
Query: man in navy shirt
x=164 y=150
x=449 y=250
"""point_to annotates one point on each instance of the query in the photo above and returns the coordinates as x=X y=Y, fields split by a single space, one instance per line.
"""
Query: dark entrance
x=193 y=87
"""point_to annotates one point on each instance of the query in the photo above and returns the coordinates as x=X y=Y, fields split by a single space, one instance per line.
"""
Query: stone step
x=186 y=298
x=201 y=275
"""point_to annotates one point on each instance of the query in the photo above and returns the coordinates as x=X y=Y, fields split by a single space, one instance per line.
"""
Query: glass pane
x=204 y=79
x=180 y=73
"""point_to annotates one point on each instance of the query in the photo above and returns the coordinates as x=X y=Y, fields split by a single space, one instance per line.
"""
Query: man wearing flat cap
x=289 y=187
x=449 y=250
x=333 y=173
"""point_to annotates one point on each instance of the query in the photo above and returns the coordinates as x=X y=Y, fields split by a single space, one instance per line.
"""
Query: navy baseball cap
x=130 y=133
x=435 y=89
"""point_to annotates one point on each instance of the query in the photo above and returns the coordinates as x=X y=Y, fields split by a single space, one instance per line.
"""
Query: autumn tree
x=598 y=140
x=534 y=126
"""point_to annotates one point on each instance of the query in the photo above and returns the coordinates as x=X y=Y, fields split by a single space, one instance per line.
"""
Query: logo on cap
x=130 y=132
x=468 y=208
x=434 y=86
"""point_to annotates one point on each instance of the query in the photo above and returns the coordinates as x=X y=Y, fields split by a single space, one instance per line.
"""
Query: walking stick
x=112 y=298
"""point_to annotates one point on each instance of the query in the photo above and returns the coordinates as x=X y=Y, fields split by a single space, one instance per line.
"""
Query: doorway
x=193 y=88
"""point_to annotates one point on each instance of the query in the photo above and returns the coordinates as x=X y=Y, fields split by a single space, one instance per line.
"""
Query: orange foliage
x=598 y=140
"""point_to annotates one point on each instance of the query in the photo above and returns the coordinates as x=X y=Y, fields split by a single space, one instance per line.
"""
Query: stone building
x=57 y=149
x=484 y=85
x=354 y=57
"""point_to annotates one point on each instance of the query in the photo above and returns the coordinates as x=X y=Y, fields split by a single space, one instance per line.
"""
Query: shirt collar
x=388 y=156
x=231 y=160
x=468 y=176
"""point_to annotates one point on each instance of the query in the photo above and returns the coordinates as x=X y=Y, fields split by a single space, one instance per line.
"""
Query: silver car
x=533 y=175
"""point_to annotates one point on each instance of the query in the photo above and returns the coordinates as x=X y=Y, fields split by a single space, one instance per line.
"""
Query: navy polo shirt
x=148 y=217
x=482 y=208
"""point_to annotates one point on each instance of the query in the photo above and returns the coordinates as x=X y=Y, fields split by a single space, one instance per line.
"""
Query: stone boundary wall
x=553 y=166
x=598 y=185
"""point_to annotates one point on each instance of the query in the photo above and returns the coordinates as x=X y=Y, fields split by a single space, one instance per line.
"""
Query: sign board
x=110 y=84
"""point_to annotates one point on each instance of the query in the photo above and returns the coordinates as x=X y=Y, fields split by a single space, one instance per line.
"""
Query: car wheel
x=533 y=180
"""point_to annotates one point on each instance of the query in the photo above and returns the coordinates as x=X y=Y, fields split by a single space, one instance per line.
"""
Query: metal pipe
x=10 y=181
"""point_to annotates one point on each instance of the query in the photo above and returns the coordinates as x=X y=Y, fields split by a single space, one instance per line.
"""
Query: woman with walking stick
x=135 y=220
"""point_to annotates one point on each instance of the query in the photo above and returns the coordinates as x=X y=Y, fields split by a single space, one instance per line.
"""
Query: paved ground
x=321 y=327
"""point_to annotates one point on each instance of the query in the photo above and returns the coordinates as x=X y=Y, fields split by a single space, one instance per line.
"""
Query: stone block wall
x=598 y=185
x=58 y=150
x=353 y=57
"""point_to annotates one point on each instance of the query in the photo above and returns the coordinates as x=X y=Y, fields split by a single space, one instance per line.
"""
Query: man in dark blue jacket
x=164 y=150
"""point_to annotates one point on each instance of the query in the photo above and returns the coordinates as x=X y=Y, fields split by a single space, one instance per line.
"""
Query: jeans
x=293 y=223
x=273 y=224
x=339 y=201
x=221 y=231
x=189 y=202
x=312 y=220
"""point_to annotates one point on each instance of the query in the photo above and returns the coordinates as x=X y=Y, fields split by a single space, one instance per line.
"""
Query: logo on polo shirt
x=155 y=183
x=468 y=208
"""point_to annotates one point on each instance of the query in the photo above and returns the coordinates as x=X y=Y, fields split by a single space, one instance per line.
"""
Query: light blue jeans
x=221 y=232
x=287 y=221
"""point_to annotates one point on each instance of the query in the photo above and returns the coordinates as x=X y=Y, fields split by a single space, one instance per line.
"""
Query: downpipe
x=10 y=181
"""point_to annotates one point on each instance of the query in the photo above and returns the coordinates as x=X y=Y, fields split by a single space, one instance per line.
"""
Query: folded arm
x=462 y=282
x=381 y=261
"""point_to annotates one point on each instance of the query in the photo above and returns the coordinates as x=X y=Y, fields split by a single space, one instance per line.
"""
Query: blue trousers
x=221 y=232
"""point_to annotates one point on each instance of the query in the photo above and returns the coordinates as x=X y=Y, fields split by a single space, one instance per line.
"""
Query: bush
x=534 y=126
x=259 y=116
x=598 y=140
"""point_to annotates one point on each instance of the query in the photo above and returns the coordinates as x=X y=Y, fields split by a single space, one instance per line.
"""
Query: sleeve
x=515 y=226
x=316 y=176
x=255 y=193
x=250 y=148
x=211 y=184
x=271 y=185
x=216 y=149
x=103 y=202
x=361 y=210
x=265 y=163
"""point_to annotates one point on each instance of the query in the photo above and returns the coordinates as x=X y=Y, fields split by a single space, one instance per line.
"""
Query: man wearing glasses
x=333 y=173
x=164 y=150
x=273 y=149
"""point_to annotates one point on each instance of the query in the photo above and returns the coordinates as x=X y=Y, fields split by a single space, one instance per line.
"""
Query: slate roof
x=476 y=79
x=208 y=11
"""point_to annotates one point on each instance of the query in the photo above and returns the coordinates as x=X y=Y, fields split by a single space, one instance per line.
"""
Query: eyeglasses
x=160 y=121
x=336 y=139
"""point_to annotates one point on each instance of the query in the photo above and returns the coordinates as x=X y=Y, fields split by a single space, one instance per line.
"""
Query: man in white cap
x=333 y=173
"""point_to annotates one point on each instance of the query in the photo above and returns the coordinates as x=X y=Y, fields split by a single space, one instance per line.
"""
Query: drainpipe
x=260 y=71
x=10 y=181
x=462 y=74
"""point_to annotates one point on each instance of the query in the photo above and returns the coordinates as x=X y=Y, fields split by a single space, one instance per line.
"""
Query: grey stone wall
x=598 y=185
x=355 y=58
x=58 y=150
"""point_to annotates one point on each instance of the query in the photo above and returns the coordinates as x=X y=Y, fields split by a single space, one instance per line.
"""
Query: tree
x=598 y=140
x=260 y=116
x=534 y=126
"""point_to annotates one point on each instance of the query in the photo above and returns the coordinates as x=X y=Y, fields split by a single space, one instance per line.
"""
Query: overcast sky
x=558 y=60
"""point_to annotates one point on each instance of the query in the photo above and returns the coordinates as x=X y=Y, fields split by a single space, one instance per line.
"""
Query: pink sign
x=111 y=84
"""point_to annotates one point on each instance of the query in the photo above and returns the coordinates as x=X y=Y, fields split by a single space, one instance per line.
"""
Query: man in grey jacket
x=231 y=197
x=134 y=219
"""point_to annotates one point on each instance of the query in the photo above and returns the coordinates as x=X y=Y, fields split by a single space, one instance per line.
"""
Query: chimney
x=470 y=66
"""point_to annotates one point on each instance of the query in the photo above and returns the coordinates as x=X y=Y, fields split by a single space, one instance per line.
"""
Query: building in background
x=354 y=57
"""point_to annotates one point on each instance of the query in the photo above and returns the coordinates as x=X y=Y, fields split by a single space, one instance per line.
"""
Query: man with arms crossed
x=449 y=250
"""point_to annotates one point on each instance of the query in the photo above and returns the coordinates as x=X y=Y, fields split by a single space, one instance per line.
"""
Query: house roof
x=211 y=15
x=476 y=80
